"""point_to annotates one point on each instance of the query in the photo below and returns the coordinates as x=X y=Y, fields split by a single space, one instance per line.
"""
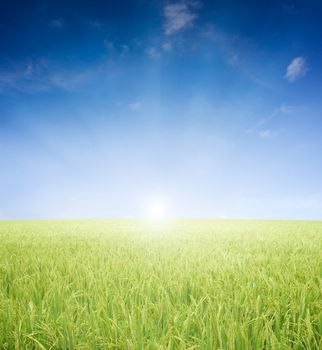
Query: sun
x=156 y=209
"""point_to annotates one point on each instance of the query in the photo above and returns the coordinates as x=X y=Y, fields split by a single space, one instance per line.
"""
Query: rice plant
x=186 y=284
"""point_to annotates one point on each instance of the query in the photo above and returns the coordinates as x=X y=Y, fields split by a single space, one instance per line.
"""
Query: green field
x=190 y=284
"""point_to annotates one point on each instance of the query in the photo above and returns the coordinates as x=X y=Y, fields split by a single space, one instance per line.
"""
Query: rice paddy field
x=187 y=284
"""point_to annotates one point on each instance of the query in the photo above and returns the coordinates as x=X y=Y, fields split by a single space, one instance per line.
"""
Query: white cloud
x=296 y=69
x=179 y=16
x=134 y=106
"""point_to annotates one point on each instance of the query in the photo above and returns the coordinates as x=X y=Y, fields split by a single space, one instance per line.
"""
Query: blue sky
x=211 y=107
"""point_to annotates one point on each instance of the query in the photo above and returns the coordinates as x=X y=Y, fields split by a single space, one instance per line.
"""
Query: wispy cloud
x=92 y=22
x=109 y=45
x=234 y=59
x=179 y=16
x=40 y=76
x=153 y=52
x=234 y=51
x=296 y=69
x=259 y=127
x=135 y=105
x=265 y=134
x=166 y=46
x=117 y=50
x=125 y=49
x=57 y=23
x=25 y=78
x=227 y=44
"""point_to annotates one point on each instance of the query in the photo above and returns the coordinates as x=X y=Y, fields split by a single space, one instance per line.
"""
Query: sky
x=209 y=108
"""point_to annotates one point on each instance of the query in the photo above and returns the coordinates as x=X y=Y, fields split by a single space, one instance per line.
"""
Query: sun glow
x=156 y=209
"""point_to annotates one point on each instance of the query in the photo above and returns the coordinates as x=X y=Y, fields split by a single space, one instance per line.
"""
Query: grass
x=126 y=284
